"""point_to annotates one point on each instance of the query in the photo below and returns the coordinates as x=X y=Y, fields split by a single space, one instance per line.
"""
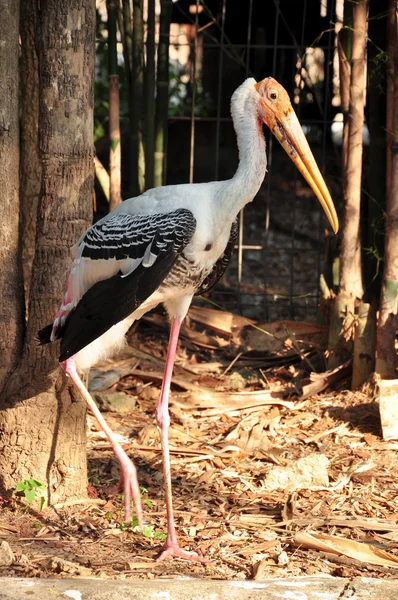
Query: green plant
x=29 y=488
x=94 y=479
x=148 y=530
x=144 y=491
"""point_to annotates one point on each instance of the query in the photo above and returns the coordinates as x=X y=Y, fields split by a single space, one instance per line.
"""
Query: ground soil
x=221 y=458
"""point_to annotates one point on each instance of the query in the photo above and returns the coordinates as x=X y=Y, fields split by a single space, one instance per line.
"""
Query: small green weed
x=144 y=491
x=29 y=488
x=94 y=479
x=148 y=531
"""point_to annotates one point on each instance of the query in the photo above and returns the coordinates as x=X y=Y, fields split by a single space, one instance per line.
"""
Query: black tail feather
x=44 y=335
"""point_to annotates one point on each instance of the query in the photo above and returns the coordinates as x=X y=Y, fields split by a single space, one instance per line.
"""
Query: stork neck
x=252 y=162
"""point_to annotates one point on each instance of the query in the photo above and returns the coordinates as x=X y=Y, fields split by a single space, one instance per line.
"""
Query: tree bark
x=42 y=422
x=364 y=345
x=350 y=257
x=387 y=322
x=350 y=281
x=11 y=285
x=30 y=172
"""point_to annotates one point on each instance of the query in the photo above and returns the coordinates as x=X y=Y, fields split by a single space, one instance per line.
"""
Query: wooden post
x=387 y=323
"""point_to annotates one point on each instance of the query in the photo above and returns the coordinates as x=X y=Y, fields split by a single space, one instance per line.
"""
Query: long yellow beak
x=277 y=112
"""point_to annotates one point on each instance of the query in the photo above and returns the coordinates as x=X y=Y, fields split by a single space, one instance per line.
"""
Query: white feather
x=214 y=206
x=149 y=257
x=129 y=265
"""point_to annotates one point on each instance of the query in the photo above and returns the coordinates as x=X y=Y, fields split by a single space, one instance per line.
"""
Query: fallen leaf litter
x=244 y=412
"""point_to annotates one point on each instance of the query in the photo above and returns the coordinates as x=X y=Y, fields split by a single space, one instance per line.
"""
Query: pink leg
x=171 y=547
x=128 y=470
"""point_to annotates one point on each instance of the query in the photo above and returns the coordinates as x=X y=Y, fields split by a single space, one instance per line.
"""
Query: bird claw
x=129 y=484
x=176 y=552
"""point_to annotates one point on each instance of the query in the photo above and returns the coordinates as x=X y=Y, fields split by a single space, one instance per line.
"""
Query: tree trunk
x=30 y=171
x=350 y=257
x=350 y=283
x=11 y=286
x=364 y=345
x=114 y=120
x=42 y=424
x=387 y=323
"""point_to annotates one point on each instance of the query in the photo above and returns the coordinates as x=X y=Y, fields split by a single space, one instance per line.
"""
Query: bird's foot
x=177 y=552
x=129 y=485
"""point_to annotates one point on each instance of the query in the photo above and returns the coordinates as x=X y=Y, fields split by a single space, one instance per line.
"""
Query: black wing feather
x=110 y=301
x=220 y=266
x=124 y=236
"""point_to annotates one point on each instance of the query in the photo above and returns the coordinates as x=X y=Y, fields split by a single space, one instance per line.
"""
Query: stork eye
x=273 y=95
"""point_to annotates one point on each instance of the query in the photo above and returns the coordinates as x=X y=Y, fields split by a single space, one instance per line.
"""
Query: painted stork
x=166 y=246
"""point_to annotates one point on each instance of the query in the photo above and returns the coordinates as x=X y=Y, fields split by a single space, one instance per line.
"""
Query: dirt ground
x=233 y=503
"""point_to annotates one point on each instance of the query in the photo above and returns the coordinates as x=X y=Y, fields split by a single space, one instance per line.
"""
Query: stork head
x=276 y=111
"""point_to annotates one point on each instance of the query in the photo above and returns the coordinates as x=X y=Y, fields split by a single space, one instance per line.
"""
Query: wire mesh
x=279 y=256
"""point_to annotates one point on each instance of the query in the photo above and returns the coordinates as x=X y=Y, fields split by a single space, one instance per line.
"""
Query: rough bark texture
x=350 y=281
x=44 y=436
x=42 y=424
x=350 y=256
x=11 y=290
x=387 y=323
x=30 y=161
x=364 y=345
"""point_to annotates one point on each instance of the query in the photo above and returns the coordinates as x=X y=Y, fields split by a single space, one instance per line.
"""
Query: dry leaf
x=356 y=550
x=130 y=566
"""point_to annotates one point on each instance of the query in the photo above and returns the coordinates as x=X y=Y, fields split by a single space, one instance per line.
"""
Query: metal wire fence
x=215 y=44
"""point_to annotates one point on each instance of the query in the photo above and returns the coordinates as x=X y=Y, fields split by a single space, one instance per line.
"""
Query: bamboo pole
x=387 y=322
x=149 y=92
x=372 y=236
x=127 y=39
x=124 y=18
x=114 y=104
x=137 y=80
x=344 y=47
x=102 y=176
x=162 y=93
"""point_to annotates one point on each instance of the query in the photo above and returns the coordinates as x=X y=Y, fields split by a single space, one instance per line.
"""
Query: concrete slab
x=366 y=588
x=297 y=588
